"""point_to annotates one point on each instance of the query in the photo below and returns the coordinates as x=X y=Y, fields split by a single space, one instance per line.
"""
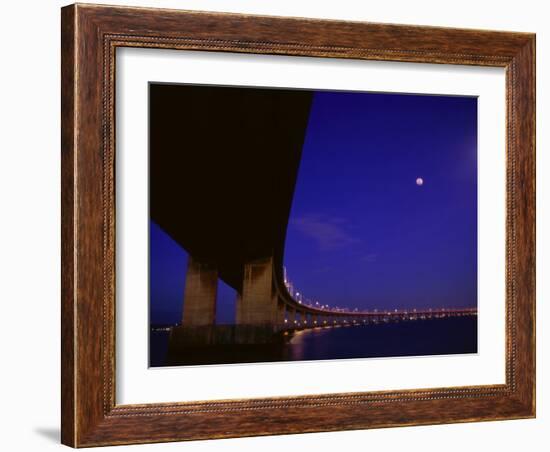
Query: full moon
x=419 y=181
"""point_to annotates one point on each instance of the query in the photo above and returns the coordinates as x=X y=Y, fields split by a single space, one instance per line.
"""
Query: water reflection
x=423 y=337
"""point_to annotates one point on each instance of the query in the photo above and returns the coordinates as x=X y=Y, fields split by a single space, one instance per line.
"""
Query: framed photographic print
x=279 y=225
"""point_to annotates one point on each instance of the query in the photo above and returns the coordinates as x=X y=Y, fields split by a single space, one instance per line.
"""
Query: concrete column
x=291 y=316
x=257 y=305
x=281 y=308
x=314 y=319
x=199 y=300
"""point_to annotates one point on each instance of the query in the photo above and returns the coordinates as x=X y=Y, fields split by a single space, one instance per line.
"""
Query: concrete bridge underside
x=223 y=167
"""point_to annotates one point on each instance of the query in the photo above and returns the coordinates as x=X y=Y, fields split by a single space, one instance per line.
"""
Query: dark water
x=414 y=338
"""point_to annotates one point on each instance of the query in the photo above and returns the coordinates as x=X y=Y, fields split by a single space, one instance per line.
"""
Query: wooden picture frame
x=90 y=36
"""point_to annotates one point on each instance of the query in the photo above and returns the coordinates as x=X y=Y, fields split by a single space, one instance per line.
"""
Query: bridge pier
x=297 y=317
x=257 y=305
x=291 y=316
x=201 y=286
x=281 y=312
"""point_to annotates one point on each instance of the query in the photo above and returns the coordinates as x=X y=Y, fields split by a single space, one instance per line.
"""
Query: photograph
x=301 y=224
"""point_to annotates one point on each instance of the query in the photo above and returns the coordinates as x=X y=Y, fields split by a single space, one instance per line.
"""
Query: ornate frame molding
x=90 y=36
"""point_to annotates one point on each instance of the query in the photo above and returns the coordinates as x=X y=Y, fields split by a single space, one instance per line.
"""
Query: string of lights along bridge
x=313 y=313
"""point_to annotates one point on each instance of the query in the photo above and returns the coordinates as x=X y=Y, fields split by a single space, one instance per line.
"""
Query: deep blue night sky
x=362 y=234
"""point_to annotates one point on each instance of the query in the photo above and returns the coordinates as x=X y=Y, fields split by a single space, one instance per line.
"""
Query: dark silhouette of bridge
x=223 y=168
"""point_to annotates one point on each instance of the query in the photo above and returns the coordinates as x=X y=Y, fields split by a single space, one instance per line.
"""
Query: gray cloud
x=329 y=233
x=369 y=257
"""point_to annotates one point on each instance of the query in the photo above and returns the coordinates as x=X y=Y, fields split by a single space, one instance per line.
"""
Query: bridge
x=223 y=168
x=313 y=314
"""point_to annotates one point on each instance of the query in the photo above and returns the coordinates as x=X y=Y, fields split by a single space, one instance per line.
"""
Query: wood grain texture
x=90 y=36
x=68 y=311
